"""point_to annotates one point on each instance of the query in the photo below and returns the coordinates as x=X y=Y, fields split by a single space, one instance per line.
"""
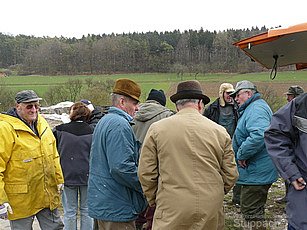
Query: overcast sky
x=74 y=18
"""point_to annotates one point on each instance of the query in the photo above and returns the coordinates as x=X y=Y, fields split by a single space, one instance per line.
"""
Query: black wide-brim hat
x=189 y=90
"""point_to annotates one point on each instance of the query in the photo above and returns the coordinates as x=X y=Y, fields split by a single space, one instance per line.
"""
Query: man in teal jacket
x=115 y=196
x=256 y=170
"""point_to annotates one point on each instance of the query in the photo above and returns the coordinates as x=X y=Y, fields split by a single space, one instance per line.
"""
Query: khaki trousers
x=107 y=225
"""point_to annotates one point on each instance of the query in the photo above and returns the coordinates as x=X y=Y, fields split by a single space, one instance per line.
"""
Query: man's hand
x=299 y=184
x=60 y=188
x=4 y=209
x=242 y=163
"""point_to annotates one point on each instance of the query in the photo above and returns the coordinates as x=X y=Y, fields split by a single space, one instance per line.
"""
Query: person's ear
x=200 y=105
x=121 y=102
x=18 y=107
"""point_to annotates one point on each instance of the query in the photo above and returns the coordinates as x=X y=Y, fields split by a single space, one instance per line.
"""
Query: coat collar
x=120 y=113
x=255 y=97
x=19 y=124
x=188 y=110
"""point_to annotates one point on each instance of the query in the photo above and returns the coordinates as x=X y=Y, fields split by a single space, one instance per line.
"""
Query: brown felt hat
x=127 y=87
x=189 y=90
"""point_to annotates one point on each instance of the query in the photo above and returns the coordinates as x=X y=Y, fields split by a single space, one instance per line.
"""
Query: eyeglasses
x=30 y=106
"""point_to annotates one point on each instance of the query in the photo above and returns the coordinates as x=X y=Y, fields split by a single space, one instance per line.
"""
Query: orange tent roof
x=270 y=35
x=289 y=30
x=280 y=47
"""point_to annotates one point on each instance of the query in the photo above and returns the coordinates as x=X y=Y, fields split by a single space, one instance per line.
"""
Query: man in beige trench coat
x=187 y=165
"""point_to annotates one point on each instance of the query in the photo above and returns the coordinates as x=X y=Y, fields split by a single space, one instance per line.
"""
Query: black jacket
x=74 y=144
x=96 y=115
x=213 y=112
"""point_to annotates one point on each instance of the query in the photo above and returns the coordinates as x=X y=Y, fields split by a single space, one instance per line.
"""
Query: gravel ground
x=274 y=212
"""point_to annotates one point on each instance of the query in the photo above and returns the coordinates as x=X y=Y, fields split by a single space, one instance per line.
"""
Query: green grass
x=164 y=81
x=154 y=78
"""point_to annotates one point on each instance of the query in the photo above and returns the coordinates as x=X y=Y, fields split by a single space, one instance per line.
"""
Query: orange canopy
x=280 y=47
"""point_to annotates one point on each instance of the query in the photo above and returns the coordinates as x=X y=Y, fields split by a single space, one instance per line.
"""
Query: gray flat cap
x=26 y=96
x=243 y=85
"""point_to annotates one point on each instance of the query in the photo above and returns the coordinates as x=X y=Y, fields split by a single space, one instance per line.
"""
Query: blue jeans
x=71 y=197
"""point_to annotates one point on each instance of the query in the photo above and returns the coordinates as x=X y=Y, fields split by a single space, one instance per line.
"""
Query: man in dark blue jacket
x=286 y=141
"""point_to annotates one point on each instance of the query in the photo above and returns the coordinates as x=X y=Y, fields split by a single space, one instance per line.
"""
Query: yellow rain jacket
x=29 y=167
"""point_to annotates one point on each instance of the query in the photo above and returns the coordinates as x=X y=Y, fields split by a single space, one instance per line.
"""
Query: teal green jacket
x=114 y=190
x=248 y=143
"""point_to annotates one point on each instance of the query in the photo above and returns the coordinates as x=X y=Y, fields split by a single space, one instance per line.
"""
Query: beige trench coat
x=186 y=166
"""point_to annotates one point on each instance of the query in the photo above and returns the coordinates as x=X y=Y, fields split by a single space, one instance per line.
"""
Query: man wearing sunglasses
x=30 y=172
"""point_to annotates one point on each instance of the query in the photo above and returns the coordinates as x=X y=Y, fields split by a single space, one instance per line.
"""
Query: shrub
x=98 y=92
x=69 y=91
x=6 y=98
x=271 y=97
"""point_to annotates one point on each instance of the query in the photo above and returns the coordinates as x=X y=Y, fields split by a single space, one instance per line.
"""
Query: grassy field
x=165 y=81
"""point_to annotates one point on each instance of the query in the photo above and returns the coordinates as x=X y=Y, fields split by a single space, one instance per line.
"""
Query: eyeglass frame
x=30 y=106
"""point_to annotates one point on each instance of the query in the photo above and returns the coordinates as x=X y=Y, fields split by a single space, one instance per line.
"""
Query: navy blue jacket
x=286 y=141
x=74 y=143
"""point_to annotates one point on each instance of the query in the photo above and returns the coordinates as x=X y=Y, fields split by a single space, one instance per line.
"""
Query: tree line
x=194 y=51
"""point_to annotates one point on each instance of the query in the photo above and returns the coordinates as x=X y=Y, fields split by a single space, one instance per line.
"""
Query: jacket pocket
x=16 y=188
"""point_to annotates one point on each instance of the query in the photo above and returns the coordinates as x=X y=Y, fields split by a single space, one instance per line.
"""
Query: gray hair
x=182 y=102
x=115 y=98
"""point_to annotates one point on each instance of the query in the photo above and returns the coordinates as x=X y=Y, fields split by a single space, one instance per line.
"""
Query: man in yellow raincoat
x=30 y=173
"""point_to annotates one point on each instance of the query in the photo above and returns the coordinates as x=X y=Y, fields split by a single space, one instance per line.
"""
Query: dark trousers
x=95 y=225
x=145 y=217
x=47 y=219
x=253 y=200
x=290 y=227
x=236 y=193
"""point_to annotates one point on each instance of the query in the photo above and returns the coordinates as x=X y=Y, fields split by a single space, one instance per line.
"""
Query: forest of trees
x=191 y=51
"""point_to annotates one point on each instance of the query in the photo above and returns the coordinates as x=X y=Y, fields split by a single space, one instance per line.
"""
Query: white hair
x=182 y=102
